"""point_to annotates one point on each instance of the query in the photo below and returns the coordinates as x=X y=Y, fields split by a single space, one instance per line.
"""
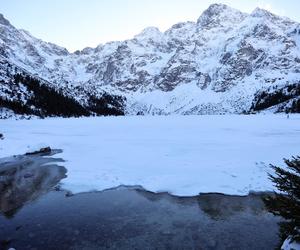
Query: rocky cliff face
x=218 y=64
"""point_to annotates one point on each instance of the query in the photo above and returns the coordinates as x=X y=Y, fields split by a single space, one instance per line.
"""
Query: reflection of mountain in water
x=214 y=205
x=219 y=206
x=126 y=218
x=25 y=178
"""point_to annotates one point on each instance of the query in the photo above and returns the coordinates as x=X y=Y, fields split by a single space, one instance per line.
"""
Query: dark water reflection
x=126 y=218
x=25 y=178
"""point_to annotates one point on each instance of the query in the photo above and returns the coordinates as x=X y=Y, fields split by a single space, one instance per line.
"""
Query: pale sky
x=76 y=24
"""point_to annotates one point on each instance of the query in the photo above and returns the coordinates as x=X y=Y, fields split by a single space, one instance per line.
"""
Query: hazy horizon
x=76 y=24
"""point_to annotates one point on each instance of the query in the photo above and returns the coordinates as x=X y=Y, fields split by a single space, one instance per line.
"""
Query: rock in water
x=45 y=150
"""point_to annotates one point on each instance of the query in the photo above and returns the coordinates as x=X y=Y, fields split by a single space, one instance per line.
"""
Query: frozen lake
x=182 y=155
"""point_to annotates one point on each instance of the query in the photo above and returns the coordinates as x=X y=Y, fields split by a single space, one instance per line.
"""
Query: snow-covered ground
x=183 y=155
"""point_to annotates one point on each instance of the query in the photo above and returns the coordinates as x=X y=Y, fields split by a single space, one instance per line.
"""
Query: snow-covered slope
x=215 y=65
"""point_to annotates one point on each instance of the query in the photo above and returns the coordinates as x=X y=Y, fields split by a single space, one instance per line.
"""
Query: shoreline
x=45 y=216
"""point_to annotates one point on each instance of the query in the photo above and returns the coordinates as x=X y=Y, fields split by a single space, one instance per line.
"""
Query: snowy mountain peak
x=219 y=15
x=259 y=12
x=149 y=33
x=4 y=21
x=217 y=8
x=181 y=30
x=216 y=65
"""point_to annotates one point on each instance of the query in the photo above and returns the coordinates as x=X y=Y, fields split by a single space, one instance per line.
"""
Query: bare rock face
x=214 y=65
x=4 y=21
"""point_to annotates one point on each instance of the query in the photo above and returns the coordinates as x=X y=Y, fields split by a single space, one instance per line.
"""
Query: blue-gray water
x=36 y=215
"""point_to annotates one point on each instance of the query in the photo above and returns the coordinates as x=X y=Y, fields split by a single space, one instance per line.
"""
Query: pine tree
x=286 y=203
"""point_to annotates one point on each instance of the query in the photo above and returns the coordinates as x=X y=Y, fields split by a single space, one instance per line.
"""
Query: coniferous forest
x=267 y=99
x=45 y=101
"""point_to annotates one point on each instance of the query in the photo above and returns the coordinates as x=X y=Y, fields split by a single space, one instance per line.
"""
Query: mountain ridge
x=215 y=65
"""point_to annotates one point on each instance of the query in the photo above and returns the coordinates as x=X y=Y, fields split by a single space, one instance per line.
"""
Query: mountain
x=225 y=62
